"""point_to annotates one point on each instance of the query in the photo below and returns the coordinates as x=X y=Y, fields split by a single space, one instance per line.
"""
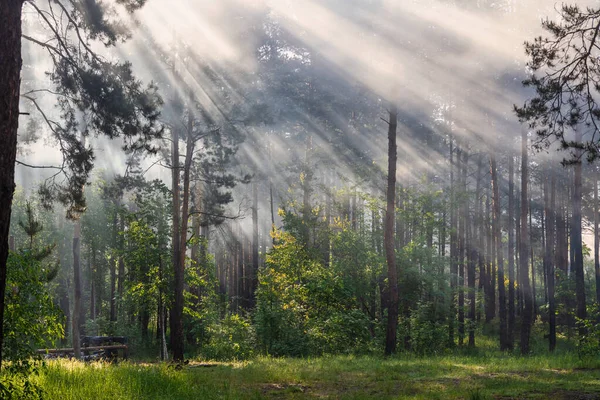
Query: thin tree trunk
x=533 y=286
x=272 y=205
x=253 y=281
x=504 y=343
x=10 y=71
x=121 y=261
x=462 y=231
x=523 y=257
x=518 y=289
x=490 y=296
x=392 y=322
x=596 y=239
x=177 y=310
x=113 y=273
x=549 y=202
x=77 y=291
x=511 y=252
x=481 y=244
x=577 y=244
x=561 y=235
x=453 y=249
x=91 y=267
x=474 y=252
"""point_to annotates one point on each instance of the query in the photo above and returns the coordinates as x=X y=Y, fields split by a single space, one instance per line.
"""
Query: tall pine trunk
x=10 y=71
x=453 y=249
x=390 y=253
x=549 y=200
x=497 y=239
x=577 y=244
x=253 y=278
x=596 y=239
x=511 y=252
x=176 y=319
x=474 y=252
x=113 y=272
x=76 y=318
x=524 y=251
x=462 y=169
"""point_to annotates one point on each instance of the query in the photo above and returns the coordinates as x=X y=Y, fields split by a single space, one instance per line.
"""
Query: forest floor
x=470 y=375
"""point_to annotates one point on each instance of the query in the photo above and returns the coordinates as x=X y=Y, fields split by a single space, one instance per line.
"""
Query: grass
x=479 y=375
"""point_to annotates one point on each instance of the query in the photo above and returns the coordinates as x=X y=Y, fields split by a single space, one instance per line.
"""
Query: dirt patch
x=278 y=389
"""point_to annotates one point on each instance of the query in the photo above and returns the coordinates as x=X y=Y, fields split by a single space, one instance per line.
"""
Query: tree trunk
x=474 y=252
x=121 y=282
x=253 y=279
x=91 y=267
x=113 y=273
x=177 y=311
x=462 y=168
x=75 y=319
x=497 y=235
x=577 y=244
x=549 y=202
x=524 y=250
x=490 y=296
x=511 y=252
x=271 y=203
x=596 y=239
x=561 y=258
x=10 y=71
x=533 y=285
x=390 y=253
x=453 y=249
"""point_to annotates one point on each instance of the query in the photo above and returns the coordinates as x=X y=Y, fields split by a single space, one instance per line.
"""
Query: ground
x=481 y=375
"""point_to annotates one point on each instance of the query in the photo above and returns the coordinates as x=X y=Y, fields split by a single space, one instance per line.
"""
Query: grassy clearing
x=487 y=375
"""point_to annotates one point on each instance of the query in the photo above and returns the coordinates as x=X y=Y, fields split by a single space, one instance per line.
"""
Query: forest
x=339 y=199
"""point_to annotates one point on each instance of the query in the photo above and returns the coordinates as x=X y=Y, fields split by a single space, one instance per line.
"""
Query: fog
x=451 y=67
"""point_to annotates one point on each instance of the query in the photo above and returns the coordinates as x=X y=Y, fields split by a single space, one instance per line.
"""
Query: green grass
x=480 y=375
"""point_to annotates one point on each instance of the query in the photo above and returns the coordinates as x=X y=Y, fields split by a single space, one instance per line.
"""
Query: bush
x=341 y=332
x=427 y=335
x=588 y=345
x=230 y=339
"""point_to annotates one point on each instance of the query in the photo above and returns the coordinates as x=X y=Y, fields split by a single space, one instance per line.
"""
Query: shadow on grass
x=341 y=377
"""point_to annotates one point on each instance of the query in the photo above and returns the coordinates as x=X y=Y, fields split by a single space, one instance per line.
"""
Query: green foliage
x=231 y=338
x=18 y=381
x=202 y=308
x=31 y=319
x=427 y=332
x=303 y=307
x=588 y=344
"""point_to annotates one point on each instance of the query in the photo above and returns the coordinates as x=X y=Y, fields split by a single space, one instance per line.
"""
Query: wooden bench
x=94 y=348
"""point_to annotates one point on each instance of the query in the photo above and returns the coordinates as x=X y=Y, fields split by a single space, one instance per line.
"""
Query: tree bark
x=532 y=262
x=453 y=249
x=462 y=168
x=596 y=239
x=390 y=253
x=577 y=244
x=549 y=200
x=474 y=252
x=524 y=251
x=77 y=290
x=511 y=252
x=113 y=272
x=10 y=71
x=177 y=311
x=253 y=279
x=497 y=235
